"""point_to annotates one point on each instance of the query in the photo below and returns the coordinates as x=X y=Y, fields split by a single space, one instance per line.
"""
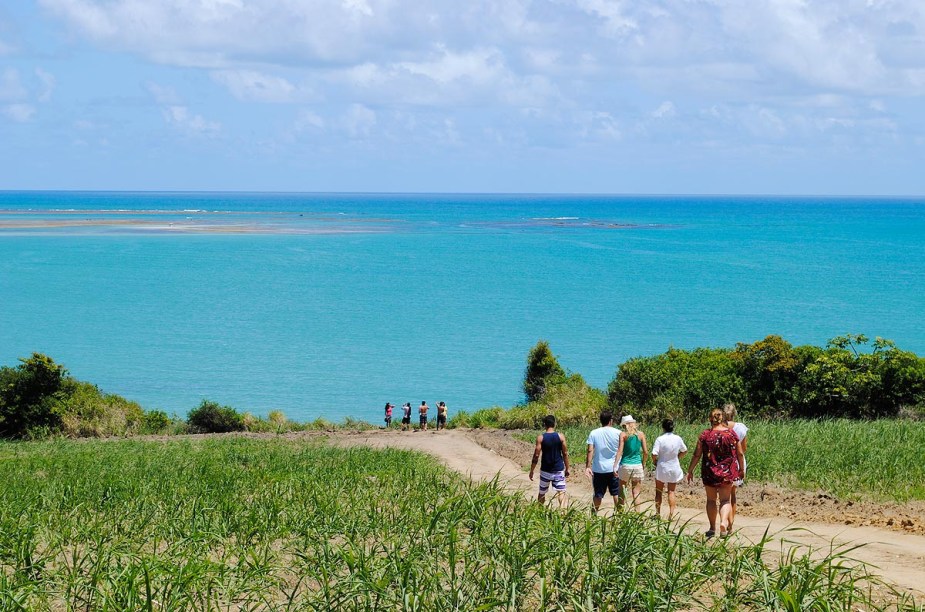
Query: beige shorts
x=631 y=472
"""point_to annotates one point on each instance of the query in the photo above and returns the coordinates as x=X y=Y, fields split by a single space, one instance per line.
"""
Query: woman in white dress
x=666 y=454
x=729 y=413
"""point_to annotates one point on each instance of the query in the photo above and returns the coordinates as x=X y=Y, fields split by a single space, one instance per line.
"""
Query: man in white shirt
x=604 y=445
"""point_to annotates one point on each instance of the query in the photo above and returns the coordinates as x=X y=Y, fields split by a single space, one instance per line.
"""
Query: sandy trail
x=898 y=557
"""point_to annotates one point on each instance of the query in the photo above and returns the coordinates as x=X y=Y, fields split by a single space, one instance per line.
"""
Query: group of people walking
x=422 y=415
x=616 y=463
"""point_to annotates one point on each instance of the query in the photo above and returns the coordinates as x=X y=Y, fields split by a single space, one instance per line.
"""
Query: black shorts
x=604 y=482
x=406 y=420
x=423 y=420
x=441 y=419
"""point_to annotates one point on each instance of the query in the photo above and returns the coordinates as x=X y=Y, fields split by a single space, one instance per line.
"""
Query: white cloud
x=255 y=86
x=47 y=81
x=309 y=120
x=11 y=86
x=181 y=118
x=20 y=113
x=162 y=94
x=359 y=121
x=665 y=110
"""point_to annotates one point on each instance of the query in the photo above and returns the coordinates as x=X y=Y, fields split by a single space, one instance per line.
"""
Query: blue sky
x=605 y=96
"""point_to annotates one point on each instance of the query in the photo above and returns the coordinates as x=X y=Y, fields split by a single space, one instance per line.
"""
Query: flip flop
x=709 y=534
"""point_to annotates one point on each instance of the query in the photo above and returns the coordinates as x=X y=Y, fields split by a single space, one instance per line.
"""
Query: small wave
x=554 y=218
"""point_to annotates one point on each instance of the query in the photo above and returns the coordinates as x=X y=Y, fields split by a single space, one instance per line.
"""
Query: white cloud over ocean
x=592 y=76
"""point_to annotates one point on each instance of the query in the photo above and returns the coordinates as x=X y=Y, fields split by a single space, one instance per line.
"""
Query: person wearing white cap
x=633 y=458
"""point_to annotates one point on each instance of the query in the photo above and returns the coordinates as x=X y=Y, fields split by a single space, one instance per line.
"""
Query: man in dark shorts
x=604 y=446
x=441 y=416
x=554 y=467
x=422 y=410
x=406 y=416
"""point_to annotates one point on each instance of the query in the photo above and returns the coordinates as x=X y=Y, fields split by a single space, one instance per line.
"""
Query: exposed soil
x=756 y=499
x=890 y=534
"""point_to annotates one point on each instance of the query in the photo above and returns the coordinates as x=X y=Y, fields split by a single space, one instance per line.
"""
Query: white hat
x=627 y=419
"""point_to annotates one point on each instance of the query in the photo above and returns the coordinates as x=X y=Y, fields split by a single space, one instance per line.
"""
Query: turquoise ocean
x=332 y=304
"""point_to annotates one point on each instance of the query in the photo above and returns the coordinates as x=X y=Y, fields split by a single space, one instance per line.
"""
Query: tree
x=28 y=395
x=543 y=370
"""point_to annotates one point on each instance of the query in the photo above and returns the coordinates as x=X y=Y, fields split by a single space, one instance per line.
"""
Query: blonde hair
x=631 y=427
x=729 y=412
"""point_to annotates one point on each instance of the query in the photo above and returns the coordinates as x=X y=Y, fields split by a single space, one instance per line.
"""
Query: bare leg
x=671 y=499
x=637 y=491
x=711 y=506
x=732 y=512
x=725 y=508
x=659 y=485
x=597 y=503
x=541 y=499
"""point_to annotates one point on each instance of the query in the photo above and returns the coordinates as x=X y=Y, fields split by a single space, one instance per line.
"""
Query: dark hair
x=606 y=417
x=549 y=420
x=422 y=403
x=667 y=425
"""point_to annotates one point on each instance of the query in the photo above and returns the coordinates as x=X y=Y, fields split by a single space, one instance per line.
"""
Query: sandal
x=709 y=534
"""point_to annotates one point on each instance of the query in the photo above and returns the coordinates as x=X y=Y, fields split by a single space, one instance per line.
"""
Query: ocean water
x=331 y=305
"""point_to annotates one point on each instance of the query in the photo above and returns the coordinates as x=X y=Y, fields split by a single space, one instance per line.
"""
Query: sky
x=549 y=96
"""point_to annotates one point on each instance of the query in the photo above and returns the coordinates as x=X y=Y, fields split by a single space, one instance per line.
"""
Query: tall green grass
x=244 y=524
x=878 y=460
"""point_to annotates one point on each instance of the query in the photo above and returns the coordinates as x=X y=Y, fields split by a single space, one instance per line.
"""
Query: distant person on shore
x=406 y=416
x=554 y=466
x=722 y=455
x=730 y=414
x=441 y=416
x=422 y=411
x=667 y=451
x=388 y=415
x=632 y=459
x=604 y=445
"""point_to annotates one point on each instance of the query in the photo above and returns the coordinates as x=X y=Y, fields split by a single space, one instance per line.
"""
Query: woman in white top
x=668 y=449
x=729 y=413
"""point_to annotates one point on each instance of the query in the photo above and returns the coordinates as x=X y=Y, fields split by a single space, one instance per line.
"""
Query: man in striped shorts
x=554 y=467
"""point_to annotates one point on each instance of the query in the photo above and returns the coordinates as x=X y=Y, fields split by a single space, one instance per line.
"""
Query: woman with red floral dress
x=721 y=451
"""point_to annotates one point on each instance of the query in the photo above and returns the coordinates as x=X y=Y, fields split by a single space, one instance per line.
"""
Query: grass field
x=238 y=523
x=879 y=460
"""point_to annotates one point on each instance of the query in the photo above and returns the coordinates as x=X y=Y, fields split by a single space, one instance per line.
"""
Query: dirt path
x=899 y=557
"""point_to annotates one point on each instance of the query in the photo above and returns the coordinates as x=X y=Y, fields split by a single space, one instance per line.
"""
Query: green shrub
x=155 y=422
x=572 y=400
x=85 y=411
x=29 y=394
x=210 y=417
x=689 y=382
x=543 y=370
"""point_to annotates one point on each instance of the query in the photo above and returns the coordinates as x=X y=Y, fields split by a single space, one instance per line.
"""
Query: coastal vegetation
x=297 y=524
x=767 y=379
x=39 y=399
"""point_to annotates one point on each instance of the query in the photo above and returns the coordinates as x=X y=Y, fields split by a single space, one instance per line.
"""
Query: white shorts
x=556 y=479
x=631 y=472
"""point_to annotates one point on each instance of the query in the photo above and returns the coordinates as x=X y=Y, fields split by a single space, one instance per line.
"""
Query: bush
x=480 y=419
x=689 y=382
x=155 y=422
x=572 y=401
x=29 y=394
x=85 y=411
x=210 y=417
x=543 y=370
